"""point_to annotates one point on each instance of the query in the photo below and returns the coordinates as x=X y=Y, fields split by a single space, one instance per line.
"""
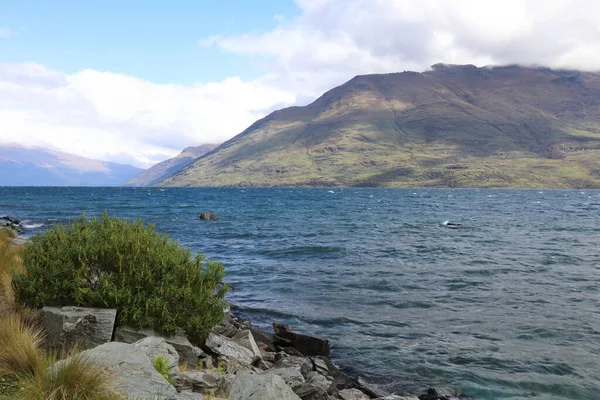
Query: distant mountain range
x=452 y=126
x=21 y=166
x=169 y=167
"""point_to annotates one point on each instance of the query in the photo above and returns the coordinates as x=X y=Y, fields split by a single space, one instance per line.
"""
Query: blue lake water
x=505 y=307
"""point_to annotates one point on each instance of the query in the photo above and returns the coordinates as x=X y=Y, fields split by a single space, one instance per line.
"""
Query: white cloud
x=6 y=32
x=103 y=115
x=333 y=40
x=117 y=117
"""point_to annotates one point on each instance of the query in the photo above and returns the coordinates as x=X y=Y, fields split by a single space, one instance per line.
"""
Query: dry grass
x=11 y=261
x=75 y=378
x=20 y=344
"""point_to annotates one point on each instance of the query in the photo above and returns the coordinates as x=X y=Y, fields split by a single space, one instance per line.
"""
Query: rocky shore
x=237 y=361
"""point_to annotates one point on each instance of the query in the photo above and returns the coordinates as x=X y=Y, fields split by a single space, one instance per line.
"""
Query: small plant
x=162 y=366
x=150 y=279
x=220 y=367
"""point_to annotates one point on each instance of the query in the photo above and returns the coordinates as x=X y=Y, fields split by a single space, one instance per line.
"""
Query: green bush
x=151 y=280
x=162 y=367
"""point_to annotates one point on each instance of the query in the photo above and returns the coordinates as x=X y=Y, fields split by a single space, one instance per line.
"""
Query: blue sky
x=137 y=81
x=152 y=40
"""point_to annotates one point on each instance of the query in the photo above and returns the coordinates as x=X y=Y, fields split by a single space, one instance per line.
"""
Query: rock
x=263 y=337
x=81 y=326
x=307 y=345
x=439 y=393
x=11 y=223
x=353 y=394
x=186 y=396
x=318 y=380
x=245 y=339
x=197 y=381
x=396 y=397
x=247 y=386
x=320 y=365
x=291 y=376
x=207 y=216
x=308 y=391
x=134 y=374
x=302 y=364
x=155 y=347
x=188 y=353
x=226 y=347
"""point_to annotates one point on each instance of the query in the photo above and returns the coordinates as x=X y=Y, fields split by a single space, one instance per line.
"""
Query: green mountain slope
x=169 y=167
x=453 y=126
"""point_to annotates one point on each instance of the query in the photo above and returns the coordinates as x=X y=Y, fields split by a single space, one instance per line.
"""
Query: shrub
x=151 y=280
x=162 y=367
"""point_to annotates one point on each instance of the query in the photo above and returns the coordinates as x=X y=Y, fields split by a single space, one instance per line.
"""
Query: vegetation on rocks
x=151 y=280
x=162 y=367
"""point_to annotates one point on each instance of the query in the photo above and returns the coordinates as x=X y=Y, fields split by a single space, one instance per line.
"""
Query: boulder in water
x=207 y=216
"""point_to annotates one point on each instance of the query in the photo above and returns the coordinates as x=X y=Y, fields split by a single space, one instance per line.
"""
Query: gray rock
x=439 y=393
x=308 y=391
x=321 y=366
x=246 y=339
x=197 y=381
x=318 y=380
x=207 y=216
x=248 y=386
x=187 y=396
x=353 y=394
x=305 y=344
x=228 y=348
x=188 y=353
x=291 y=376
x=155 y=347
x=133 y=371
x=302 y=363
x=81 y=326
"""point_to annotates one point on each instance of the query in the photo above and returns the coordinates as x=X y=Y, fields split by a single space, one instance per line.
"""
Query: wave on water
x=31 y=225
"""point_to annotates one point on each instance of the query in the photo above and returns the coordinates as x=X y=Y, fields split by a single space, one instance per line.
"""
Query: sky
x=136 y=82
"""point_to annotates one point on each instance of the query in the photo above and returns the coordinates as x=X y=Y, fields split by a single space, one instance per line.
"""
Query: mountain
x=452 y=126
x=21 y=166
x=169 y=167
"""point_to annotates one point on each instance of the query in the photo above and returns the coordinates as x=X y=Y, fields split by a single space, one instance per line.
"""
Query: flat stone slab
x=82 y=326
x=133 y=371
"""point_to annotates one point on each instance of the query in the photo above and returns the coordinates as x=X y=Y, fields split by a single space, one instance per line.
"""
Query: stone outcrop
x=132 y=370
x=81 y=326
x=155 y=347
x=305 y=344
x=188 y=353
x=248 y=386
x=226 y=347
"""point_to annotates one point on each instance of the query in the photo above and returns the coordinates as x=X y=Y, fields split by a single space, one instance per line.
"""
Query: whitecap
x=445 y=222
x=28 y=225
x=331 y=191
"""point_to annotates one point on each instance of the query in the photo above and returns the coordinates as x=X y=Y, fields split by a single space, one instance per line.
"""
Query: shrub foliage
x=151 y=280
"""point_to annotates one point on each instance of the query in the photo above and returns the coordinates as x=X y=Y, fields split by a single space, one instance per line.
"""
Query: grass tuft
x=20 y=352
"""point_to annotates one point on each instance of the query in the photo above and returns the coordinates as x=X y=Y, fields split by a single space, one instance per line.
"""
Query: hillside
x=21 y=166
x=169 y=167
x=453 y=126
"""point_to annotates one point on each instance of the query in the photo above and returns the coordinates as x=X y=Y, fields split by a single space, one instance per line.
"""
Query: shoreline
x=342 y=378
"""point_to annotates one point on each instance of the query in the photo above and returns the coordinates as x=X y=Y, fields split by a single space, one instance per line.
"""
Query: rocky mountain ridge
x=452 y=126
